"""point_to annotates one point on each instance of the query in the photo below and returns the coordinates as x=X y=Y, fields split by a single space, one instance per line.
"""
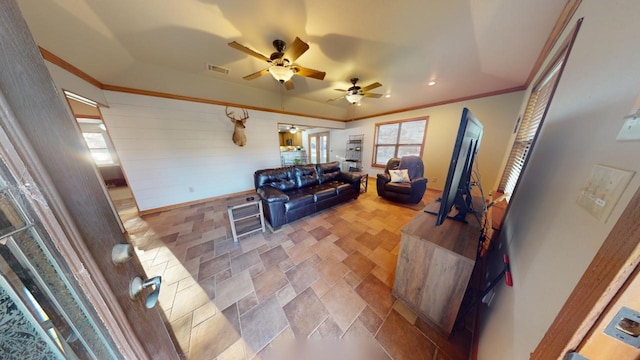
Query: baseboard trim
x=194 y=202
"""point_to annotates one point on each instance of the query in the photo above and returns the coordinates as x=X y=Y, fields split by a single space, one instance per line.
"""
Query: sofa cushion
x=321 y=192
x=284 y=184
x=306 y=175
x=403 y=188
x=328 y=176
x=280 y=178
x=298 y=198
x=328 y=171
x=340 y=187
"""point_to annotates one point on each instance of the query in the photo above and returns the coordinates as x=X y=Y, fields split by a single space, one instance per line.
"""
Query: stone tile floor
x=325 y=278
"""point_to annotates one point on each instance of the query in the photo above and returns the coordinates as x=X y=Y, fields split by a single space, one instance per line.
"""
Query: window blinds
x=529 y=125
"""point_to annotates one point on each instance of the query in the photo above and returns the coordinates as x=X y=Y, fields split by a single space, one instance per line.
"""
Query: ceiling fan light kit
x=282 y=69
x=355 y=93
x=280 y=62
x=353 y=98
x=282 y=73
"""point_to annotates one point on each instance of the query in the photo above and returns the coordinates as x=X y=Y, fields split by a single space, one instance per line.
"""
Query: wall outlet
x=434 y=180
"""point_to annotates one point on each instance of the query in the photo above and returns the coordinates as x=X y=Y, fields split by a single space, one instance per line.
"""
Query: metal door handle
x=137 y=285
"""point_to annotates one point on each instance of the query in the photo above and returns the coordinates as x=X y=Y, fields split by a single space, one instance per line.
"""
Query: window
x=396 y=139
x=532 y=119
x=94 y=133
x=98 y=148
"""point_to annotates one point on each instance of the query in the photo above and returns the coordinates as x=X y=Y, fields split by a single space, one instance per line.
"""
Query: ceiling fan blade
x=337 y=98
x=372 y=95
x=297 y=48
x=289 y=85
x=248 y=51
x=256 y=74
x=299 y=70
x=341 y=90
x=371 y=86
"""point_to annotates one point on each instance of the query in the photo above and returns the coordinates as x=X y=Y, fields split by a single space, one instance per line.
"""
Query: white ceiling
x=469 y=47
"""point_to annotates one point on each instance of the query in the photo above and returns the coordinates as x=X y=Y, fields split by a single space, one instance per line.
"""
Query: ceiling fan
x=281 y=65
x=355 y=93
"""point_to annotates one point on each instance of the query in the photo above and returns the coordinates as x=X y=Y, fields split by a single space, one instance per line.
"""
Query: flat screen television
x=457 y=188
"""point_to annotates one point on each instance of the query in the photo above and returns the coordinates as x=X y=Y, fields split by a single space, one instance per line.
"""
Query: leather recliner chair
x=409 y=191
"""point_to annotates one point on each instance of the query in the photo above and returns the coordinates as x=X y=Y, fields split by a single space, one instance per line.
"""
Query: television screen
x=457 y=188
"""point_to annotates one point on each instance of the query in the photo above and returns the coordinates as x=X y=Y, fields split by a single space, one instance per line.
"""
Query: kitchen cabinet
x=289 y=139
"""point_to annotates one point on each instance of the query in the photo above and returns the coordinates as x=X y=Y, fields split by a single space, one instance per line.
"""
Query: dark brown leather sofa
x=292 y=192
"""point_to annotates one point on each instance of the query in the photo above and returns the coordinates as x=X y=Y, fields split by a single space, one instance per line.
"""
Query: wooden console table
x=434 y=266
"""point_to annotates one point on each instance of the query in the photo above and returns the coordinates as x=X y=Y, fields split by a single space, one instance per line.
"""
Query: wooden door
x=53 y=167
x=599 y=346
x=622 y=291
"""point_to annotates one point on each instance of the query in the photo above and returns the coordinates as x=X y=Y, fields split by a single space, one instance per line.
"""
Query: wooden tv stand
x=434 y=266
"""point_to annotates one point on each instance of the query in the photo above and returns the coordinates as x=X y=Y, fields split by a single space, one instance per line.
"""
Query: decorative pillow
x=399 y=176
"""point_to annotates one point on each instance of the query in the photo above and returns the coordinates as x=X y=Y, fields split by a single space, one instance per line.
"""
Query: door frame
x=609 y=270
x=97 y=170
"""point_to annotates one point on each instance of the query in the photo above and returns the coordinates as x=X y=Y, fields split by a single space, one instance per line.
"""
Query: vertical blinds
x=529 y=125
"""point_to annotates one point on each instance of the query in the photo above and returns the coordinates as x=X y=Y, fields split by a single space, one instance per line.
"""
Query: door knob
x=137 y=285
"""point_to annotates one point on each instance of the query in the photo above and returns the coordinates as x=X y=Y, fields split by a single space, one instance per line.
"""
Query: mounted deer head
x=239 y=138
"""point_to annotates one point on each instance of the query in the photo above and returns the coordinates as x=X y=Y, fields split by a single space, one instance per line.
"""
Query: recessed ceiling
x=469 y=47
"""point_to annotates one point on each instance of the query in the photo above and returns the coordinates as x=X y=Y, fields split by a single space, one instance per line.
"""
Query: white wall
x=175 y=151
x=498 y=115
x=169 y=147
x=550 y=239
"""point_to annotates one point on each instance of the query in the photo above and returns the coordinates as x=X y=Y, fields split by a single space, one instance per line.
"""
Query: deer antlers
x=239 y=138
x=230 y=115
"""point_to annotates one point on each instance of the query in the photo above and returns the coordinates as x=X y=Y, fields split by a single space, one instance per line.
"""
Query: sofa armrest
x=418 y=180
x=418 y=187
x=349 y=176
x=381 y=180
x=271 y=194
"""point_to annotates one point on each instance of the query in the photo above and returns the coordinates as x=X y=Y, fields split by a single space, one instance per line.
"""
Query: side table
x=364 y=182
x=246 y=218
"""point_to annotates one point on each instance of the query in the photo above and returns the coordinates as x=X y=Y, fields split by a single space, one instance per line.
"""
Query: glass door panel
x=35 y=294
x=324 y=148
x=313 y=149
x=319 y=148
